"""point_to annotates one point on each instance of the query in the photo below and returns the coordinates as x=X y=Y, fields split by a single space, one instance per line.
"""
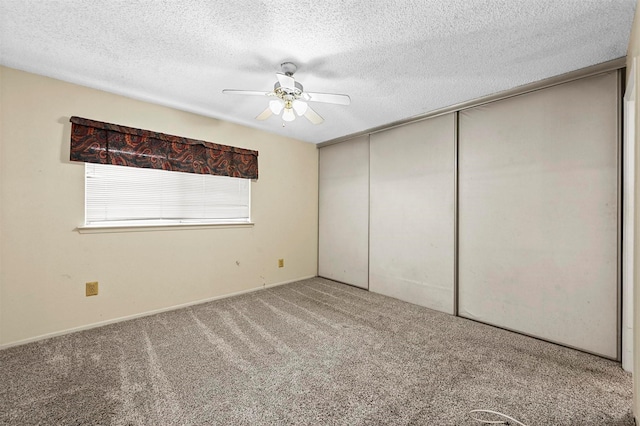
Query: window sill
x=102 y=229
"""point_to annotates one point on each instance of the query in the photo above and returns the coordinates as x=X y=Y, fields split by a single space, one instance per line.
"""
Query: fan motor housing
x=282 y=92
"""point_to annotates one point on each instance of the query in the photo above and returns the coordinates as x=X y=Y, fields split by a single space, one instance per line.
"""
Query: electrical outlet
x=280 y=263
x=92 y=288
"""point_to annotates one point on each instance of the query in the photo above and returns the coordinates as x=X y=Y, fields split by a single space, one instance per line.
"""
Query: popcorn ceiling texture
x=396 y=59
x=313 y=352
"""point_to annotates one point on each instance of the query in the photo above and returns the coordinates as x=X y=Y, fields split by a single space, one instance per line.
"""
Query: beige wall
x=634 y=40
x=45 y=262
x=634 y=52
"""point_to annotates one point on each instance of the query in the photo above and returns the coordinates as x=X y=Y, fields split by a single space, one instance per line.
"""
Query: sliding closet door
x=538 y=214
x=343 y=240
x=412 y=213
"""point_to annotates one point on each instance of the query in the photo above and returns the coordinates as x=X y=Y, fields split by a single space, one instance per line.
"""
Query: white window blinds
x=121 y=196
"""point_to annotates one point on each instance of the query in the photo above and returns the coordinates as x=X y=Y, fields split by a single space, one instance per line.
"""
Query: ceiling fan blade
x=286 y=82
x=245 y=92
x=264 y=114
x=328 y=98
x=313 y=116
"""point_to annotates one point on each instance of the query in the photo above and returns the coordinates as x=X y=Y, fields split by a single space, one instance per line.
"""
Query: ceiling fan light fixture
x=288 y=115
x=300 y=107
x=291 y=99
x=276 y=106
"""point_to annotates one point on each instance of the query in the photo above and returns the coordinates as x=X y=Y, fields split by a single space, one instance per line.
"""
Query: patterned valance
x=105 y=143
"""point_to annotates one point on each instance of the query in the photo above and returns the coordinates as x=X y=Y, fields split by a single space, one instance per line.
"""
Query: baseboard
x=145 y=314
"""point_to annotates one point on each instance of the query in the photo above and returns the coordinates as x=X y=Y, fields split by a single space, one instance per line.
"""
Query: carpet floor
x=313 y=352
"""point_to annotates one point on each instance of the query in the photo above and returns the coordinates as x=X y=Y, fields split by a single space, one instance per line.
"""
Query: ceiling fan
x=290 y=97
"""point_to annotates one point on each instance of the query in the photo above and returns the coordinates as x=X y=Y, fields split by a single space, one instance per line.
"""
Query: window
x=130 y=196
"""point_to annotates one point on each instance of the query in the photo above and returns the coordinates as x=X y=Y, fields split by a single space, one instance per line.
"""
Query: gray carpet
x=312 y=352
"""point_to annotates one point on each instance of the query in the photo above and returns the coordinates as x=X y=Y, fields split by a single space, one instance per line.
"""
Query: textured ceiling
x=396 y=59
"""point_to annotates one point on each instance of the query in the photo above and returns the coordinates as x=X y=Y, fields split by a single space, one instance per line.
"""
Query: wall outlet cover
x=92 y=288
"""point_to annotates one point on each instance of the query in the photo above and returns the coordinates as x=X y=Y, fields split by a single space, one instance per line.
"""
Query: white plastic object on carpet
x=494 y=422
